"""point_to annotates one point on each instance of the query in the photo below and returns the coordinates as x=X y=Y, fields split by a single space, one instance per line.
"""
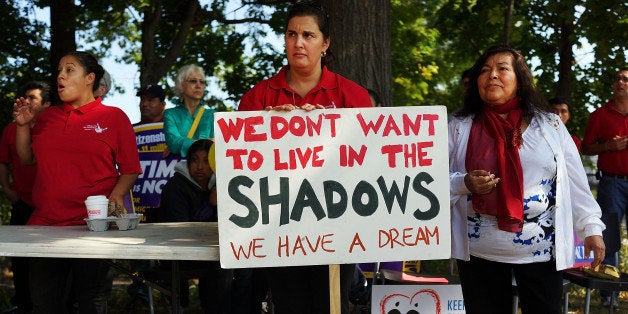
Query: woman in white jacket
x=518 y=190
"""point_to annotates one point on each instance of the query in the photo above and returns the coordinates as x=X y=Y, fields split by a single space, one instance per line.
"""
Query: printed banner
x=156 y=169
x=424 y=299
x=332 y=186
x=579 y=252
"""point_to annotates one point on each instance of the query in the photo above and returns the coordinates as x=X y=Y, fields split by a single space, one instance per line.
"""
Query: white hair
x=183 y=73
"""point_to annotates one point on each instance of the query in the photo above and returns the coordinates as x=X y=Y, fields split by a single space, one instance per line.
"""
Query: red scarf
x=493 y=146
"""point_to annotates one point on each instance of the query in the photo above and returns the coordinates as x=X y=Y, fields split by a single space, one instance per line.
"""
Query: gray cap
x=106 y=80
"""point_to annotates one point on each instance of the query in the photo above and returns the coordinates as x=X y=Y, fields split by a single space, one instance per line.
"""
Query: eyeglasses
x=621 y=78
x=195 y=81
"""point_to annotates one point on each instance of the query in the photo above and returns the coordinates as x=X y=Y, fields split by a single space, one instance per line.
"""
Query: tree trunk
x=507 y=22
x=565 y=54
x=62 y=39
x=152 y=66
x=360 y=42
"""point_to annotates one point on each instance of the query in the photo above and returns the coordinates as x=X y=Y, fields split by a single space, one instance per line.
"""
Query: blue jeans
x=612 y=195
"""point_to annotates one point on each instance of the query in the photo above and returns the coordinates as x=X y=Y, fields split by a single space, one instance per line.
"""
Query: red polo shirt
x=605 y=123
x=79 y=152
x=333 y=91
x=576 y=140
x=23 y=176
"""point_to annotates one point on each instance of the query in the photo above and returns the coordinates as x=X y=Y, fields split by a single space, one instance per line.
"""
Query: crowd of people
x=518 y=187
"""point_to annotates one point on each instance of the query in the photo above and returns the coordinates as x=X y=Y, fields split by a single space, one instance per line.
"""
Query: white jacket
x=575 y=205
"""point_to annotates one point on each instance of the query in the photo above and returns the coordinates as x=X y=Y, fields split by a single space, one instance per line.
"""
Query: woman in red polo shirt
x=306 y=84
x=80 y=148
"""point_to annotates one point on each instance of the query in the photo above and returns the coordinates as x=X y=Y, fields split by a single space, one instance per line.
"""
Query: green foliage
x=412 y=56
x=433 y=42
x=237 y=57
x=23 y=54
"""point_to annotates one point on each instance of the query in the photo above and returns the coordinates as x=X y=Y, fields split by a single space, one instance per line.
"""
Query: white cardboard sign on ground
x=332 y=186
x=424 y=299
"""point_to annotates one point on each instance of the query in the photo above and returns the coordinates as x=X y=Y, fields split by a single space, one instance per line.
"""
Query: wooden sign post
x=334 y=289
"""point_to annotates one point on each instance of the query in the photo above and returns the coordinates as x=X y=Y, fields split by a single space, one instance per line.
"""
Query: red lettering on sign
x=390 y=125
x=305 y=245
x=299 y=158
x=411 y=154
x=408 y=237
x=349 y=156
x=356 y=241
x=250 y=251
x=247 y=126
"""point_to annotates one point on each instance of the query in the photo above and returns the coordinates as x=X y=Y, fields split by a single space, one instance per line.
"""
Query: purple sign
x=579 y=252
x=156 y=168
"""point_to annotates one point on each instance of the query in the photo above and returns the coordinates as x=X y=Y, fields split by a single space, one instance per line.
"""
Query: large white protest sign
x=332 y=186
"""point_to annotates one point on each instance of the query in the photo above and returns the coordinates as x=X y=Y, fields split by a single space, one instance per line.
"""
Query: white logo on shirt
x=96 y=128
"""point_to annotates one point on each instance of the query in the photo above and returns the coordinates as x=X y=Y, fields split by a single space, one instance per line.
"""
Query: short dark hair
x=318 y=11
x=559 y=100
x=200 y=145
x=90 y=64
x=43 y=87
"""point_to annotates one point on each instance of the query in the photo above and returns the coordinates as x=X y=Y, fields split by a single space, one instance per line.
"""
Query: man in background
x=16 y=181
x=152 y=104
x=606 y=135
x=561 y=106
x=157 y=168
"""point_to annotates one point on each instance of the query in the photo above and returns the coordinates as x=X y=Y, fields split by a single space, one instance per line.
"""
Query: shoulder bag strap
x=196 y=121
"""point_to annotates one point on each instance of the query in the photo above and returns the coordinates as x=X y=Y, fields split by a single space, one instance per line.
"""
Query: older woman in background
x=518 y=189
x=189 y=120
x=306 y=84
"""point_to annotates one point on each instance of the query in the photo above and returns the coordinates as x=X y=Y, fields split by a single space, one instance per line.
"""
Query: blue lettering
x=455 y=305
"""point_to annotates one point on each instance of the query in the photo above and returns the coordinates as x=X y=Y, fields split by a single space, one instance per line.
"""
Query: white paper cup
x=97 y=207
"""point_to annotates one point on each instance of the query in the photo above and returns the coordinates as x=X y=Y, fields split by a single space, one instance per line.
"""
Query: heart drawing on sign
x=402 y=304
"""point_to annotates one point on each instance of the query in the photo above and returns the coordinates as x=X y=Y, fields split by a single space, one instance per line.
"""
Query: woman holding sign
x=306 y=84
x=518 y=189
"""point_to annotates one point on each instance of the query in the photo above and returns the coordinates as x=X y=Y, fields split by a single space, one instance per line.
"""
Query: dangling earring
x=324 y=54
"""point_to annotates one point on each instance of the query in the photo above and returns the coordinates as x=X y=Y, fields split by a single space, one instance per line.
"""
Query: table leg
x=175 y=292
x=587 y=301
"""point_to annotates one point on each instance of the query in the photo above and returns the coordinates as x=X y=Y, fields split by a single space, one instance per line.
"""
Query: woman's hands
x=289 y=107
x=23 y=112
x=594 y=243
x=480 y=181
